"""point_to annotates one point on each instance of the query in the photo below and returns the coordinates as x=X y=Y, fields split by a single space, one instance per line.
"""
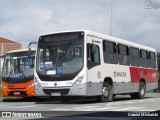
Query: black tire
x=141 y=93
x=107 y=93
x=142 y=90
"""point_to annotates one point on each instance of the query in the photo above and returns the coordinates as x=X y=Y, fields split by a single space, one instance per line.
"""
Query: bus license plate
x=16 y=93
x=55 y=94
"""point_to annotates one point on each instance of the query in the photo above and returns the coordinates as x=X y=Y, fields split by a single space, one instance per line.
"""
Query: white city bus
x=86 y=63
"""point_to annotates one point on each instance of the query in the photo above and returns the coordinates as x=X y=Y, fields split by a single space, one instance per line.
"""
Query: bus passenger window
x=123 y=55
x=144 y=58
x=135 y=57
x=110 y=52
x=152 y=61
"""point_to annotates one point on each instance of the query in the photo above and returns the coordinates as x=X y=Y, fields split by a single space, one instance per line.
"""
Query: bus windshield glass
x=18 y=65
x=60 y=54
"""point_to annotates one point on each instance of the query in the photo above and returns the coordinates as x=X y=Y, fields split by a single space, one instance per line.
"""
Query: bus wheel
x=107 y=93
x=141 y=93
x=142 y=90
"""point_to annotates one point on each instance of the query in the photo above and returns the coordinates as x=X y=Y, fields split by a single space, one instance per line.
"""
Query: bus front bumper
x=18 y=92
x=80 y=90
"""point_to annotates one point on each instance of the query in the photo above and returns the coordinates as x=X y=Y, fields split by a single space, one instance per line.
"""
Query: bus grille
x=62 y=91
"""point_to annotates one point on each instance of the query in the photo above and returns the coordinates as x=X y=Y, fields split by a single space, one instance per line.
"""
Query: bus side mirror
x=29 y=52
x=29 y=49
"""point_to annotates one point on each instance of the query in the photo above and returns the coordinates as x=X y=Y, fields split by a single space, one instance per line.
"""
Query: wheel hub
x=105 y=92
x=142 y=91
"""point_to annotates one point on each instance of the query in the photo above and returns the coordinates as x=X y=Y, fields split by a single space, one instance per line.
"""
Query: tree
x=158 y=60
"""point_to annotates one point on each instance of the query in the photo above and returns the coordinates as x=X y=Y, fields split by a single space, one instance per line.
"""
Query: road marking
x=88 y=108
x=129 y=105
x=136 y=101
x=146 y=109
x=14 y=107
x=3 y=105
x=108 y=109
x=131 y=108
x=21 y=106
x=99 y=108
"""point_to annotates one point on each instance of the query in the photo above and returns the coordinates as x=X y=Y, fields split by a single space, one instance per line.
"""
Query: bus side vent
x=98 y=74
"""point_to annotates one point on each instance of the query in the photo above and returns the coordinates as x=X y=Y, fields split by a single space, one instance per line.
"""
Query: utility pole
x=111 y=19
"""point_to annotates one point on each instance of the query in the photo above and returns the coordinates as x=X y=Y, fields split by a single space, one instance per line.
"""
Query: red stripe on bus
x=150 y=75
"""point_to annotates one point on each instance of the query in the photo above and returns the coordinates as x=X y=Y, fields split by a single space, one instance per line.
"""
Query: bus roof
x=109 y=38
x=118 y=40
x=21 y=50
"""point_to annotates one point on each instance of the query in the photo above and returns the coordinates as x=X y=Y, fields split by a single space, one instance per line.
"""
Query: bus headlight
x=78 y=81
x=31 y=85
x=3 y=86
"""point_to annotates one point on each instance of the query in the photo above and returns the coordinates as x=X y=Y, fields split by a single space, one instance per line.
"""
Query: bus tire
x=141 y=92
x=107 y=93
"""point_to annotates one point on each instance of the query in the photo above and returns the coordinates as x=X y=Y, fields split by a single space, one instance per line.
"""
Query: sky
x=134 y=20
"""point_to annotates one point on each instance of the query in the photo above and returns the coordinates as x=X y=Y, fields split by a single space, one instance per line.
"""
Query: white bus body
x=91 y=67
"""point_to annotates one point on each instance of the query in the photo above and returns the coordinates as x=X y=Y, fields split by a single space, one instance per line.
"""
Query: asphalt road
x=123 y=107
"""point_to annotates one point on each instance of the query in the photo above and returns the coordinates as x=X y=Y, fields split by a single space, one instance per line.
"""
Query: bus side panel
x=94 y=81
x=149 y=75
x=120 y=75
x=151 y=86
x=125 y=87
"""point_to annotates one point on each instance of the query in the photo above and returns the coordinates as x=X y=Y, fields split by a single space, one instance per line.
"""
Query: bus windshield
x=60 y=54
x=18 y=66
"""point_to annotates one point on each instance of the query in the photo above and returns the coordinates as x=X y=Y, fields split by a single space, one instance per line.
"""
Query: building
x=6 y=46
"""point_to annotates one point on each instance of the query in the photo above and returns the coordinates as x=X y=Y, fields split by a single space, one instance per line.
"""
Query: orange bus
x=18 y=74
